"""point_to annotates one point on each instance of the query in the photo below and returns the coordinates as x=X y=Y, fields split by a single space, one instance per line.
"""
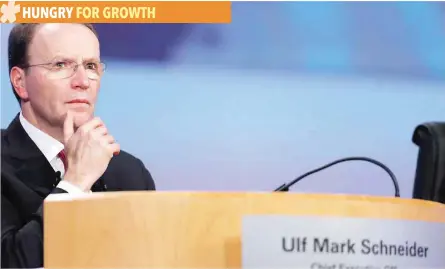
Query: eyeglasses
x=62 y=69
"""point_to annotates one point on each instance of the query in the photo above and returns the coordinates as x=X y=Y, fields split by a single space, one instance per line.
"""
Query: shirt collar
x=49 y=146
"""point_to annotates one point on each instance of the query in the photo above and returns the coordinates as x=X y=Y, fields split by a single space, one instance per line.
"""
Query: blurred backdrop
x=283 y=89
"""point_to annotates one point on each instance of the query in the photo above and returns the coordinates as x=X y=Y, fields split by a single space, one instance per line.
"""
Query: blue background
x=284 y=88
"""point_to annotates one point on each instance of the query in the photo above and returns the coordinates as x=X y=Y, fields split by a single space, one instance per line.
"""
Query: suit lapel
x=24 y=156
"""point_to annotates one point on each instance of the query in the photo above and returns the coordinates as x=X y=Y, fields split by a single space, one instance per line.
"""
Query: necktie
x=62 y=157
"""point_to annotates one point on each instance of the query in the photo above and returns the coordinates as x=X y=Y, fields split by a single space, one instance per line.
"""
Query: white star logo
x=9 y=11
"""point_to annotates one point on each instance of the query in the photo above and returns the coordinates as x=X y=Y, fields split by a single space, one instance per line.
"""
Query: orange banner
x=116 y=12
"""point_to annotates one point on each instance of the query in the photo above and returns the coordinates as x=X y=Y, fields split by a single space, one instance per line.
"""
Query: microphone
x=58 y=177
x=102 y=184
x=285 y=187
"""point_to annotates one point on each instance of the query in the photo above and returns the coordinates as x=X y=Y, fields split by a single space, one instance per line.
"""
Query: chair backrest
x=429 y=182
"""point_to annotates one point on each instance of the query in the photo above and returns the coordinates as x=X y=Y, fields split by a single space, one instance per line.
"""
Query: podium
x=204 y=229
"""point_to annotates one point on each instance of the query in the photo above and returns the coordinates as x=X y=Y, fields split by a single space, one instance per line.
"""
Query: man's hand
x=88 y=151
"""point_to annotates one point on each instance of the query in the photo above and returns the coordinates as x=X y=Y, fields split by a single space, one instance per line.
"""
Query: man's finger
x=109 y=139
x=115 y=148
x=101 y=131
x=92 y=124
x=68 y=126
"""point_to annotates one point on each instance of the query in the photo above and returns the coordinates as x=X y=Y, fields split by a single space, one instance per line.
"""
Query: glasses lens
x=70 y=70
x=60 y=74
x=93 y=74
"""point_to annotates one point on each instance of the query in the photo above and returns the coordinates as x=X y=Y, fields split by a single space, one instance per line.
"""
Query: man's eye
x=92 y=66
x=60 y=65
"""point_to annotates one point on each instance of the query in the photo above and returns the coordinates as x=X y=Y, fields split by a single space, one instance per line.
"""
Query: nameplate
x=293 y=242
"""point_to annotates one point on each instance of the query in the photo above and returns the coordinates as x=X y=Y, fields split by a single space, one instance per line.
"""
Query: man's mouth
x=79 y=101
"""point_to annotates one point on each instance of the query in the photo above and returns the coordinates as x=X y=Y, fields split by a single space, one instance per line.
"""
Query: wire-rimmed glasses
x=61 y=69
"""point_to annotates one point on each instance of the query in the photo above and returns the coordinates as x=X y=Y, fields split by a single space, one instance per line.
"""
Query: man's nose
x=80 y=79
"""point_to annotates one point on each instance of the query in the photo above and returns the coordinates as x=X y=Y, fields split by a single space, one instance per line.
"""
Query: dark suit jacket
x=28 y=178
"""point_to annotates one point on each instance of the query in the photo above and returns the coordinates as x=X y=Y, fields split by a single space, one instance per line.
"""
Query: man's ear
x=17 y=77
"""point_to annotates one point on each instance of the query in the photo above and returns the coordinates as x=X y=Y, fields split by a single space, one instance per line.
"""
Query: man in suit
x=55 y=144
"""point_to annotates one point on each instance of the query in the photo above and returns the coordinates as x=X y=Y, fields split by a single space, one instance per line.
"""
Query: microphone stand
x=285 y=187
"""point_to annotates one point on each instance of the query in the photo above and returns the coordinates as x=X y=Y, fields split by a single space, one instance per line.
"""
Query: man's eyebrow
x=61 y=58
x=91 y=59
x=73 y=59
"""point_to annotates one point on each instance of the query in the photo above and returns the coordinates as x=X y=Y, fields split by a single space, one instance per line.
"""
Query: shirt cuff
x=70 y=188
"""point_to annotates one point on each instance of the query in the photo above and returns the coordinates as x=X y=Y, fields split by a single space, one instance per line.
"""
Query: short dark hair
x=19 y=39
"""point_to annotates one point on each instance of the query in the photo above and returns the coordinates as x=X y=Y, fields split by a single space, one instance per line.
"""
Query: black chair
x=429 y=182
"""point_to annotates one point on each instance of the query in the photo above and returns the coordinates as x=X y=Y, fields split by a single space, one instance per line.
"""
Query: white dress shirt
x=50 y=148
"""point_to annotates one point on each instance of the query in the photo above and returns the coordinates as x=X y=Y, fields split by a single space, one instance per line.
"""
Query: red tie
x=62 y=156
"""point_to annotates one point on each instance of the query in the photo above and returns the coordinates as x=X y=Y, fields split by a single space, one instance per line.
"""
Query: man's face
x=50 y=92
